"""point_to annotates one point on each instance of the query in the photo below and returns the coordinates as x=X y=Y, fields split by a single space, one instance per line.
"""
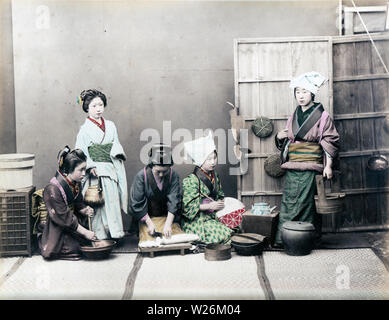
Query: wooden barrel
x=16 y=171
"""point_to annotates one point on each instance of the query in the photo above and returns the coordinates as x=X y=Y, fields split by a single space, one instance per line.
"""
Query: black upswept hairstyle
x=160 y=154
x=88 y=95
x=69 y=160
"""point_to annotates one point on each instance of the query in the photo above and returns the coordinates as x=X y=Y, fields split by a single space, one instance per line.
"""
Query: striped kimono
x=306 y=156
x=105 y=153
x=203 y=223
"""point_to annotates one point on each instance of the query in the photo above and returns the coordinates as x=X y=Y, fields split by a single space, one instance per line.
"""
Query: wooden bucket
x=328 y=203
x=217 y=252
x=16 y=171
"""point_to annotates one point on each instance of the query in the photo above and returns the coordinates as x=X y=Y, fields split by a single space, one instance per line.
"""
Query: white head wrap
x=200 y=149
x=310 y=81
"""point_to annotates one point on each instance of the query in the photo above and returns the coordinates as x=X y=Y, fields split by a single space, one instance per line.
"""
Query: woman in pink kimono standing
x=310 y=143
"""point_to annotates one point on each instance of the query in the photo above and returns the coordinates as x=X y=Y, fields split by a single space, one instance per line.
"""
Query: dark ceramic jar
x=298 y=237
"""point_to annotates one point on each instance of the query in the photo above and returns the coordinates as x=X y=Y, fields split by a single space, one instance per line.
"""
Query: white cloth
x=200 y=149
x=310 y=81
x=176 y=238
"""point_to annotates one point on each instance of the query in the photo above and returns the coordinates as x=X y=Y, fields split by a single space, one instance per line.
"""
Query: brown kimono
x=59 y=238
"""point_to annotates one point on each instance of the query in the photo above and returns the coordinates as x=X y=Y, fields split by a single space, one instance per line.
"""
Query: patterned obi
x=100 y=152
x=305 y=152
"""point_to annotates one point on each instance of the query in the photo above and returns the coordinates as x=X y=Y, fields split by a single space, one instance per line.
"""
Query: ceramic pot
x=298 y=237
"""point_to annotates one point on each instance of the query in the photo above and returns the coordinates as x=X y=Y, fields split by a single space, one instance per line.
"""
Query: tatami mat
x=324 y=274
x=327 y=274
x=192 y=277
x=6 y=265
x=59 y=279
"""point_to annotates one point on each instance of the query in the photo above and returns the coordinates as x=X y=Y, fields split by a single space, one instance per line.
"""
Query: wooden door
x=361 y=102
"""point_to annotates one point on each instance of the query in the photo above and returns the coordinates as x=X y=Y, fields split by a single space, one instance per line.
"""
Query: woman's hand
x=167 y=228
x=90 y=235
x=150 y=226
x=282 y=134
x=216 y=205
x=327 y=172
x=88 y=211
x=93 y=172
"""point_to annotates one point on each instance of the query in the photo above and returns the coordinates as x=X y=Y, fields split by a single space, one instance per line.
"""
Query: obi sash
x=100 y=152
x=305 y=152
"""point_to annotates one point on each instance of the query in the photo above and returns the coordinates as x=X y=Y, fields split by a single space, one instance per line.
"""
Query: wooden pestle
x=90 y=228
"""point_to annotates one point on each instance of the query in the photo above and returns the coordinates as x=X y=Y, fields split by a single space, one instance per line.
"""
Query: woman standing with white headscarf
x=203 y=194
x=310 y=143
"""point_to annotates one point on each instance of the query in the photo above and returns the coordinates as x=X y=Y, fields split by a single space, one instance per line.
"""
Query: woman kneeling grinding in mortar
x=63 y=235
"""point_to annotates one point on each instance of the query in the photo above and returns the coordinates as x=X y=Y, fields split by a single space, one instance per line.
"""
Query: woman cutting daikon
x=155 y=196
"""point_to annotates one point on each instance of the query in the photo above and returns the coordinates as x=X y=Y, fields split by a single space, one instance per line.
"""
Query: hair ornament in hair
x=62 y=154
x=79 y=100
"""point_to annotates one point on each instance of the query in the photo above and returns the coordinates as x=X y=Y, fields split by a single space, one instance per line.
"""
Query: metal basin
x=378 y=162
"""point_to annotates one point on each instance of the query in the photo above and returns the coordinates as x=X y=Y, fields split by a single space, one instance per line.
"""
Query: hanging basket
x=262 y=127
x=273 y=166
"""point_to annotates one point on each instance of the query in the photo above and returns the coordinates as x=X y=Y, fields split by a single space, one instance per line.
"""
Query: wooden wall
x=263 y=69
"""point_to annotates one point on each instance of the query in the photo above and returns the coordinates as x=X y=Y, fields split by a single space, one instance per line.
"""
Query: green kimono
x=203 y=223
x=298 y=202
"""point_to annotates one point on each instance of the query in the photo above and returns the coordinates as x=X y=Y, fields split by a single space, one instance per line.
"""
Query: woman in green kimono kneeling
x=203 y=194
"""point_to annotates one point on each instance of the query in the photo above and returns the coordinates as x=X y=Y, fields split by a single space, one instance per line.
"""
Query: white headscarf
x=200 y=149
x=310 y=81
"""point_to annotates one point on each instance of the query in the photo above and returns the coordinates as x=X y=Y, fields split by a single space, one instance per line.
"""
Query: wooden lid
x=247 y=238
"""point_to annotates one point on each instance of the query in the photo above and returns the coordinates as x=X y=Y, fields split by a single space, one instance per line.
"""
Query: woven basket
x=273 y=166
x=262 y=127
